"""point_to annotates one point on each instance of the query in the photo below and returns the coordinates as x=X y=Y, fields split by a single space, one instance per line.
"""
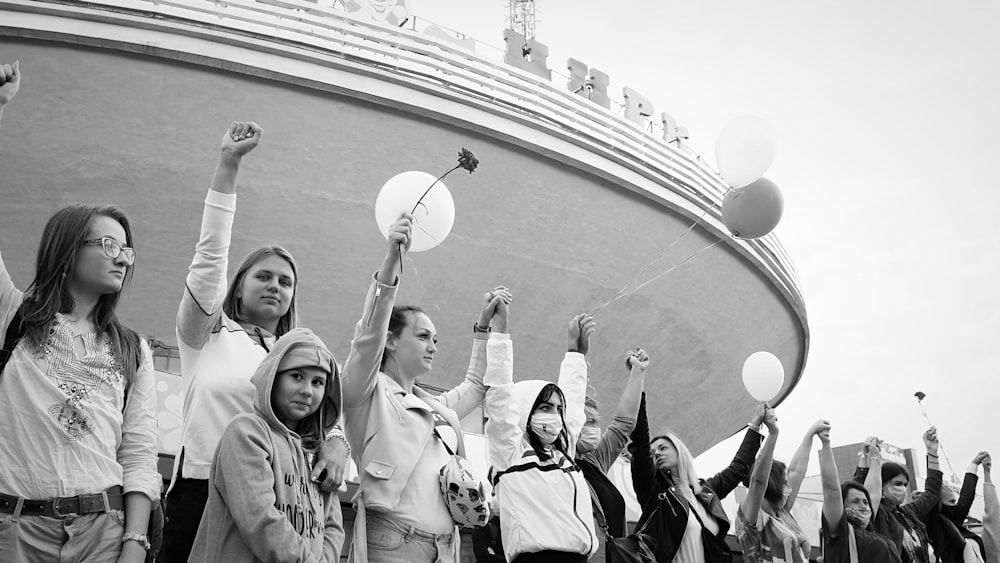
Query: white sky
x=887 y=116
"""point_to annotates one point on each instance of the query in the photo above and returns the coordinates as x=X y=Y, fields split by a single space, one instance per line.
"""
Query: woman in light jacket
x=546 y=511
x=402 y=434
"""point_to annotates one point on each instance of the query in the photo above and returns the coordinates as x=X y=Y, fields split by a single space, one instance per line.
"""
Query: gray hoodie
x=262 y=505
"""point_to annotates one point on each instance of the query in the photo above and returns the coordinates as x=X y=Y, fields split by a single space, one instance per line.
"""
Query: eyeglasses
x=113 y=249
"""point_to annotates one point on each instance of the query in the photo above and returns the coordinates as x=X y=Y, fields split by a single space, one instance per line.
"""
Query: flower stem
x=439 y=178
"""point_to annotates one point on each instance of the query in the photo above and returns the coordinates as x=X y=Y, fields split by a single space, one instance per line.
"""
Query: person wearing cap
x=262 y=503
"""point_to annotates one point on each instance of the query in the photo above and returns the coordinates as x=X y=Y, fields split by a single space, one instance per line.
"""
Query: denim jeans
x=390 y=541
x=90 y=538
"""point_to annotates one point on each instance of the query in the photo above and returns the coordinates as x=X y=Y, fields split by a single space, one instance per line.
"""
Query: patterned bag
x=463 y=492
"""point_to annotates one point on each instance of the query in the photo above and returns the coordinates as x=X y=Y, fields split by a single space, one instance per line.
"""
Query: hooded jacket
x=546 y=504
x=262 y=505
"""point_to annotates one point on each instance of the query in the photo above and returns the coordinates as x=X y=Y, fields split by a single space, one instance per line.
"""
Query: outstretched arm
x=991 y=516
x=470 y=393
x=800 y=461
x=205 y=285
x=573 y=376
x=10 y=83
x=927 y=501
x=873 y=480
x=960 y=511
x=738 y=470
x=833 y=502
x=761 y=470
x=615 y=436
x=642 y=463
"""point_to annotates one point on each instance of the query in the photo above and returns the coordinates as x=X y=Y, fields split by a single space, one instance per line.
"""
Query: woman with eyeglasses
x=223 y=332
x=77 y=408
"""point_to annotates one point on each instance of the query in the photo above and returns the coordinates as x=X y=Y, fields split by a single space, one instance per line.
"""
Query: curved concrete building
x=125 y=101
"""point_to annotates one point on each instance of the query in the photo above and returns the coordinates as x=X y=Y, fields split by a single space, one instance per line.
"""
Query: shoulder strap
x=15 y=331
x=852 y=543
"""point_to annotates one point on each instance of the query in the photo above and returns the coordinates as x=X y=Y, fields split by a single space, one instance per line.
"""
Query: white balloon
x=745 y=150
x=432 y=219
x=763 y=376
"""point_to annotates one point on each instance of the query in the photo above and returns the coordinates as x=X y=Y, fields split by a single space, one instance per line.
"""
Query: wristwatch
x=477 y=328
x=142 y=539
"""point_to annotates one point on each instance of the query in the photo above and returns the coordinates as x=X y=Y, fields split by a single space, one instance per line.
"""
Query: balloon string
x=621 y=292
x=672 y=268
x=940 y=445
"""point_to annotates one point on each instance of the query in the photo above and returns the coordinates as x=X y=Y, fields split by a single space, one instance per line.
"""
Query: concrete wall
x=98 y=125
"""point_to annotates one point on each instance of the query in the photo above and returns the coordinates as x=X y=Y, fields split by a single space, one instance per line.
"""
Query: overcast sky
x=887 y=116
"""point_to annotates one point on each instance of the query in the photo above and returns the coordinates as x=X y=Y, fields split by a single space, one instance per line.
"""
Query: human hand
x=824 y=436
x=241 y=138
x=931 y=440
x=758 y=416
x=399 y=236
x=493 y=301
x=637 y=359
x=10 y=82
x=580 y=329
x=980 y=458
x=332 y=460
x=819 y=426
x=770 y=419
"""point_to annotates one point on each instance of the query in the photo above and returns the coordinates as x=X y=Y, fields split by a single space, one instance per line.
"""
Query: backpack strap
x=15 y=331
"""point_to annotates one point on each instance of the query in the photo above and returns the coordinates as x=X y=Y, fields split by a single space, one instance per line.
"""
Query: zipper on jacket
x=371 y=309
x=388 y=395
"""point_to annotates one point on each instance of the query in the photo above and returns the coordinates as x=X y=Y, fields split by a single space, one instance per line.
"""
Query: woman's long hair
x=686 y=473
x=231 y=305
x=562 y=441
x=48 y=294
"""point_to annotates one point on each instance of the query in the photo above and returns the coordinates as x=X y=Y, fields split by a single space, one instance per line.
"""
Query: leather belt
x=61 y=507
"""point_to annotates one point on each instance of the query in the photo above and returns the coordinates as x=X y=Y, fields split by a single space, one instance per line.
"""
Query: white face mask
x=547 y=427
x=895 y=494
x=858 y=516
x=590 y=437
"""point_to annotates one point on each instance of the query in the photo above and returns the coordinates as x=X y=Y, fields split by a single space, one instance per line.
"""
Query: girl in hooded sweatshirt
x=262 y=503
x=532 y=430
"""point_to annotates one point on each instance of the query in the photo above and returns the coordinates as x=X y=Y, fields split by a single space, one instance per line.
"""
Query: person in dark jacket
x=900 y=521
x=681 y=513
x=952 y=541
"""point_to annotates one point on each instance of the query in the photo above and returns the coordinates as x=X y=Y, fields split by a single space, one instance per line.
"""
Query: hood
x=299 y=347
x=524 y=396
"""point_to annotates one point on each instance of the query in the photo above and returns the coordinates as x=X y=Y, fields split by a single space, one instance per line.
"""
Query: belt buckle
x=58 y=501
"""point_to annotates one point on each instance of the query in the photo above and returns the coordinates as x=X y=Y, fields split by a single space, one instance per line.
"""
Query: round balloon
x=744 y=150
x=753 y=211
x=433 y=217
x=763 y=376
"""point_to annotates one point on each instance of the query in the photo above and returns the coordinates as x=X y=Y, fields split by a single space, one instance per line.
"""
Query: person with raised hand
x=532 y=428
x=402 y=434
x=894 y=517
x=10 y=83
x=597 y=451
x=765 y=527
x=682 y=513
x=991 y=515
x=846 y=533
x=952 y=541
x=224 y=330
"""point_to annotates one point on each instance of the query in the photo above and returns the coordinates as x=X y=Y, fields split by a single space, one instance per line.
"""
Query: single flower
x=467 y=160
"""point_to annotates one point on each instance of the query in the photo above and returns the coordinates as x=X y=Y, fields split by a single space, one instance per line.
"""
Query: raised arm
x=738 y=470
x=573 y=376
x=931 y=496
x=833 y=502
x=761 y=470
x=615 y=437
x=873 y=479
x=365 y=357
x=960 y=511
x=470 y=393
x=642 y=464
x=503 y=431
x=991 y=515
x=800 y=462
x=10 y=83
x=205 y=286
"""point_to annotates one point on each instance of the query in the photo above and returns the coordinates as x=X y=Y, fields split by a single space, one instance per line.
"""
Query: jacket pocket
x=380 y=469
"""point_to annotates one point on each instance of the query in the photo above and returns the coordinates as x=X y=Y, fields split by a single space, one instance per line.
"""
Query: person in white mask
x=533 y=429
x=596 y=452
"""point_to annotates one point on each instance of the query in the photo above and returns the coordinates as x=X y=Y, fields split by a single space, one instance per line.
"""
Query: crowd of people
x=271 y=419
